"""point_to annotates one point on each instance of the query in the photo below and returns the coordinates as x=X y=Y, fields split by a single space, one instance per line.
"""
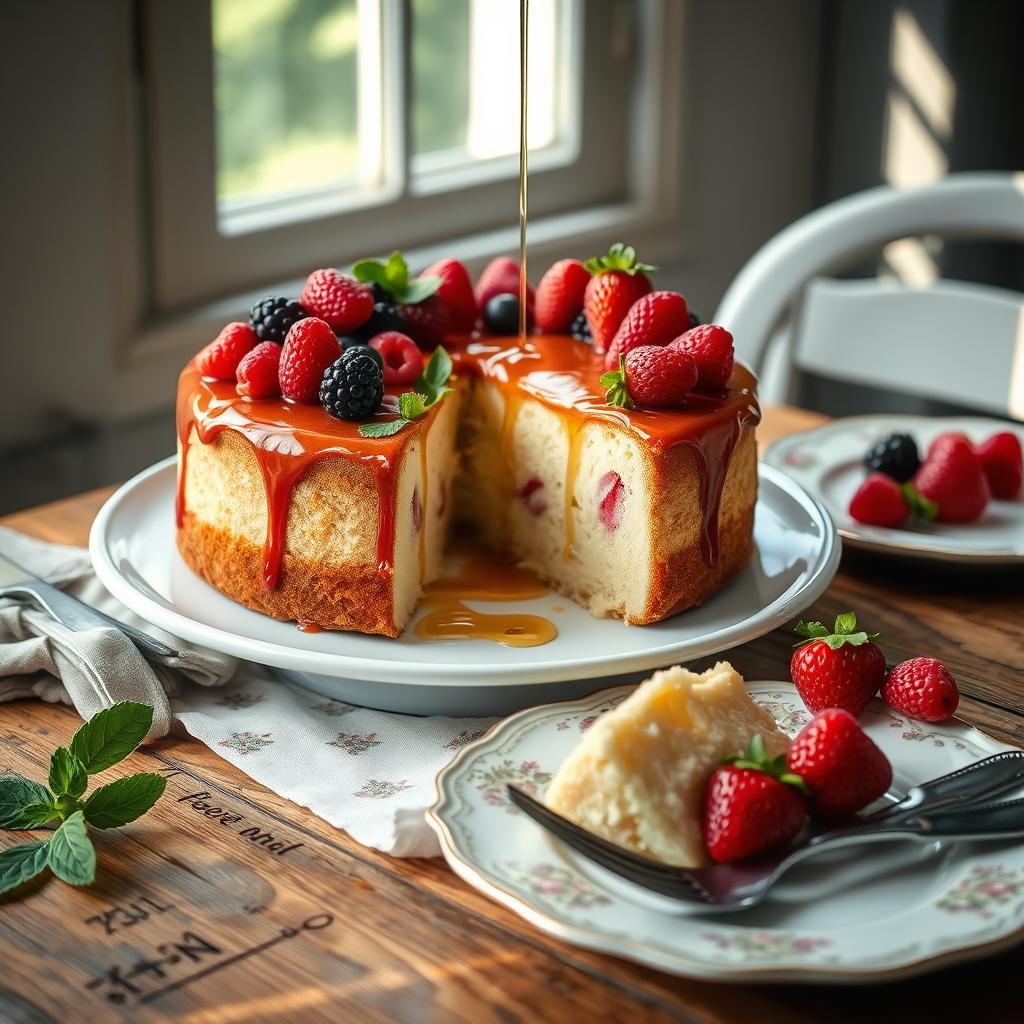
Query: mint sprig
x=393 y=276
x=107 y=738
x=843 y=632
x=431 y=386
x=616 y=389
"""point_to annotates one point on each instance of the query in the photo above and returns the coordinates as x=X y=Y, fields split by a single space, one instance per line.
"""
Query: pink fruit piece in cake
x=1003 y=464
x=712 y=349
x=611 y=495
x=654 y=319
x=530 y=496
x=952 y=477
x=257 y=373
x=879 y=501
x=403 y=361
x=337 y=299
x=310 y=347
x=221 y=357
x=659 y=377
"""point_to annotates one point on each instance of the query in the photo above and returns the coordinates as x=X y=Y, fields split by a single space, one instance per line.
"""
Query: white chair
x=953 y=341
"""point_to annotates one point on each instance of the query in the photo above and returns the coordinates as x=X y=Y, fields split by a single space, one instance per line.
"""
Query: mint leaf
x=124 y=800
x=436 y=374
x=420 y=288
x=38 y=815
x=111 y=735
x=393 y=277
x=845 y=623
x=20 y=863
x=372 y=272
x=382 y=429
x=71 y=856
x=411 y=405
x=67 y=774
x=17 y=793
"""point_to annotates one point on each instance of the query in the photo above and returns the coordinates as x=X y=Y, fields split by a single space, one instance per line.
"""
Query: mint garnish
x=107 y=738
x=430 y=387
x=393 y=277
x=843 y=632
x=614 y=383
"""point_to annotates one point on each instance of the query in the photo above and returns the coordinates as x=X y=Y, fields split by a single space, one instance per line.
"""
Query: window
x=289 y=133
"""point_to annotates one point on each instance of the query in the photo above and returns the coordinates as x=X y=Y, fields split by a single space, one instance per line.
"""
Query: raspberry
x=879 y=502
x=922 y=688
x=654 y=319
x=339 y=300
x=308 y=350
x=402 y=361
x=610 y=494
x=257 y=372
x=657 y=376
x=712 y=349
x=352 y=387
x=221 y=357
x=272 y=318
x=425 y=322
x=529 y=495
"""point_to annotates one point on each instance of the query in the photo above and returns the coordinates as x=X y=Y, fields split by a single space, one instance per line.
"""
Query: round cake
x=632 y=512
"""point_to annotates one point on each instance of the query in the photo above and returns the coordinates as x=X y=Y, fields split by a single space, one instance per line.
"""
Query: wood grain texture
x=189 y=921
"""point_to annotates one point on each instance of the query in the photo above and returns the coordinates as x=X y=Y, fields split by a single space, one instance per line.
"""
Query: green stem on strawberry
x=843 y=632
x=616 y=389
x=756 y=759
x=922 y=509
x=619 y=257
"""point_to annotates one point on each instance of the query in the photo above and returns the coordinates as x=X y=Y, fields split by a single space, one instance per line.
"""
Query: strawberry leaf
x=922 y=509
x=845 y=623
x=616 y=390
x=842 y=633
x=619 y=257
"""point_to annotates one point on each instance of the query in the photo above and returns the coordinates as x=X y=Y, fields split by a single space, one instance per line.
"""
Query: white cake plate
x=133 y=551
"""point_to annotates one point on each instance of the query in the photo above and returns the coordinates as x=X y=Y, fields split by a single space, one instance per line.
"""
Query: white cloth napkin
x=368 y=772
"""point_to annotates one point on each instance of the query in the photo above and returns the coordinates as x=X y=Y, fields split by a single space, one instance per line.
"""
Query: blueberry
x=501 y=314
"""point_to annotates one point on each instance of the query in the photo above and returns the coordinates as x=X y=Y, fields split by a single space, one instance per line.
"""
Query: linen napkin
x=366 y=771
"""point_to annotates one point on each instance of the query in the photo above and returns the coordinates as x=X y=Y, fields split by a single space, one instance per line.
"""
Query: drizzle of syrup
x=453 y=620
x=308 y=627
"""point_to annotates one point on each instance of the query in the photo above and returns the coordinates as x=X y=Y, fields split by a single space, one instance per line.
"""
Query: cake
x=636 y=513
x=639 y=774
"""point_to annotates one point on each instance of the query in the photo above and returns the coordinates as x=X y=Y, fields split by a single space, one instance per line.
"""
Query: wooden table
x=406 y=940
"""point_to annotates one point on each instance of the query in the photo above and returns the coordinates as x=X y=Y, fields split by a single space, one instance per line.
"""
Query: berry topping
x=695 y=320
x=426 y=322
x=838 y=669
x=618 y=281
x=751 y=805
x=611 y=492
x=841 y=766
x=1002 y=463
x=308 y=350
x=456 y=292
x=501 y=314
x=337 y=299
x=922 y=688
x=352 y=387
x=431 y=387
x=221 y=357
x=560 y=296
x=500 y=275
x=272 y=318
x=402 y=360
x=712 y=349
x=580 y=329
x=952 y=477
x=654 y=319
x=879 y=501
x=895 y=456
x=257 y=372
x=386 y=316
x=529 y=495
x=348 y=342
x=651 y=376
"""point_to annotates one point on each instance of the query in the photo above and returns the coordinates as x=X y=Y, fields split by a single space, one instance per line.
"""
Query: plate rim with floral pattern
x=575 y=905
x=799 y=456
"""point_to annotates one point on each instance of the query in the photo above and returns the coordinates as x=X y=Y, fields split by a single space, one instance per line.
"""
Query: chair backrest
x=974 y=205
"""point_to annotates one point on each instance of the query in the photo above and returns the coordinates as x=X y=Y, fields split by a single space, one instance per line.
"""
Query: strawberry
x=339 y=300
x=500 y=276
x=652 y=377
x=922 y=688
x=402 y=360
x=258 y=370
x=841 y=669
x=309 y=348
x=560 y=296
x=426 y=322
x=654 y=319
x=221 y=357
x=841 y=766
x=712 y=349
x=618 y=281
x=455 y=291
x=751 y=805
x=879 y=501
x=1002 y=463
x=952 y=477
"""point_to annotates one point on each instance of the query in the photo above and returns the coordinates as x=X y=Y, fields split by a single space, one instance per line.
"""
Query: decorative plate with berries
x=866 y=914
x=944 y=488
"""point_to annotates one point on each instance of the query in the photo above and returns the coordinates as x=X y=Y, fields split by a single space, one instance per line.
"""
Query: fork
x=734 y=886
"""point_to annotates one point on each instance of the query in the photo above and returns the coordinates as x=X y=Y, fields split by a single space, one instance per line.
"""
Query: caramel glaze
x=288 y=438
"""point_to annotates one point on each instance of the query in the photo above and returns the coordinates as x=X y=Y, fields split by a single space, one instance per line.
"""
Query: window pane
x=286 y=91
x=465 y=77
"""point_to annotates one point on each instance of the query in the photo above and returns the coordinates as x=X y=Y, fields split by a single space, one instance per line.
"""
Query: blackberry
x=501 y=314
x=385 y=317
x=272 y=318
x=695 y=321
x=895 y=456
x=353 y=386
x=351 y=346
x=580 y=328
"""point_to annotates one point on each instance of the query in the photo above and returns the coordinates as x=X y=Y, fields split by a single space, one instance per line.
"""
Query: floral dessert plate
x=828 y=462
x=873 y=913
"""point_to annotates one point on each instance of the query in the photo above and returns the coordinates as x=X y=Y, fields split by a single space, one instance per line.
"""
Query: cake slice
x=638 y=776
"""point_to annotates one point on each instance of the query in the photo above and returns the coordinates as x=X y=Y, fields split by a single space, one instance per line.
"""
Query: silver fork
x=942 y=809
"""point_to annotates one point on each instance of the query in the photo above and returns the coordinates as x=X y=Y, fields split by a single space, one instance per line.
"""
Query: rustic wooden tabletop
x=188 y=921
